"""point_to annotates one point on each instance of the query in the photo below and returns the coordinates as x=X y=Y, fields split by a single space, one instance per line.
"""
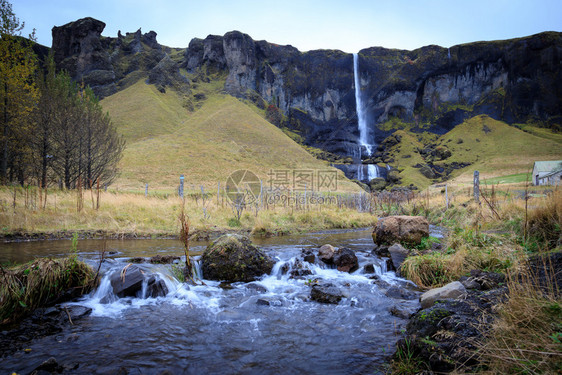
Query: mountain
x=311 y=95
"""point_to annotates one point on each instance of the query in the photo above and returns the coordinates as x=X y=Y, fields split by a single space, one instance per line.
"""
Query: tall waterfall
x=360 y=108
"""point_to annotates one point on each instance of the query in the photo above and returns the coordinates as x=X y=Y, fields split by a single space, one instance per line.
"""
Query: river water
x=266 y=327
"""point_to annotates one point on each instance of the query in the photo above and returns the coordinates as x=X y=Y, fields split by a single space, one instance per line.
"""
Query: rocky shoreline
x=445 y=335
x=449 y=328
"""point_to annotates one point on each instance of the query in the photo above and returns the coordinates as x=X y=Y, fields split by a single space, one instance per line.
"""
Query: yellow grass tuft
x=35 y=284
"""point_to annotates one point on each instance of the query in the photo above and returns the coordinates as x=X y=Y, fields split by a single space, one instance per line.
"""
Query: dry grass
x=527 y=336
x=129 y=214
x=545 y=222
x=486 y=236
x=41 y=282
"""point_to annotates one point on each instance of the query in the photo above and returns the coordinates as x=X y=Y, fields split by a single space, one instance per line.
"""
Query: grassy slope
x=224 y=135
x=141 y=111
x=501 y=151
x=541 y=132
x=406 y=157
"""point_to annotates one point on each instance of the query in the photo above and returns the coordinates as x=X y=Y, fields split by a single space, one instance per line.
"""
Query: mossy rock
x=425 y=322
x=393 y=177
x=377 y=184
x=427 y=171
x=233 y=258
x=442 y=152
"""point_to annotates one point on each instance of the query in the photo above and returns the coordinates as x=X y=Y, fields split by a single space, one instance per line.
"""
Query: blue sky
x=347 y=25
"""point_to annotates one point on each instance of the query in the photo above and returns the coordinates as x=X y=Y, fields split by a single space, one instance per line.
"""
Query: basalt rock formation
x=428 y=89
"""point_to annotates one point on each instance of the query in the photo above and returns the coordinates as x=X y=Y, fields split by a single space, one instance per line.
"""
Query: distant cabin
x=547 y=172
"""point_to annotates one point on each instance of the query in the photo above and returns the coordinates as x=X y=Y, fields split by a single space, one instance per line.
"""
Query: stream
x=269 y=326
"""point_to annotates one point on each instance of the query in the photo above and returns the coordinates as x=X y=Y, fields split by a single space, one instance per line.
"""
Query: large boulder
x=450 y=291
x=403 y=229
x=326 y=293
x=453 y=327
x=345 y=260
x=234 y=258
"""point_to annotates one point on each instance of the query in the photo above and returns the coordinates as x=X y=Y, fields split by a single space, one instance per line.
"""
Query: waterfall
x=449 y=54
x=360 y=172
x=360 y=108
x=372 y=171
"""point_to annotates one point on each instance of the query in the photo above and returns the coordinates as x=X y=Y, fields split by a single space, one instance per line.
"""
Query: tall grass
x=184 y=238
x=132 y=214
x=39 y=283
x=545 y=222
x=527 y=336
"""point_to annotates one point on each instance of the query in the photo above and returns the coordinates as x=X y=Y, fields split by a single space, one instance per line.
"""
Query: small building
x=547 y=172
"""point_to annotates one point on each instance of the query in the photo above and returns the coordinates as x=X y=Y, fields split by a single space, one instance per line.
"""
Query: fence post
x=476 y=186
x=446 y=197
x=180 y=190
x=146 y=190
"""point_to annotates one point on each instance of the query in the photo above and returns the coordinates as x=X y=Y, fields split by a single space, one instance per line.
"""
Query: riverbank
x=24 y=215
x=501 y=262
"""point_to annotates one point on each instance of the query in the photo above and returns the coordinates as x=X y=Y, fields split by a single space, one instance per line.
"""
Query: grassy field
x=509 y=179
x=136 y=215
x=496 y=148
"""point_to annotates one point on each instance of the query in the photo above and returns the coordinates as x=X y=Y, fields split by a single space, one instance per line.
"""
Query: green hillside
x=490 y=146
x=495 y=148
x=165 y=139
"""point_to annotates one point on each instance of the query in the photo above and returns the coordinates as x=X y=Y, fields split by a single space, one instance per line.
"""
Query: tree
x=101 y=146
x=73 y=138
x=66 y=132
x=45 y=119
x=18 y=95
x=49 y=125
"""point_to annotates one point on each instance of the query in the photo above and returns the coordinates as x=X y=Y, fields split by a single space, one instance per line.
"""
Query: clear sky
x=348 y=25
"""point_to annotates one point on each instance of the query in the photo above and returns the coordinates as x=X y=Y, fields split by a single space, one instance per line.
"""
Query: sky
x=347 y=25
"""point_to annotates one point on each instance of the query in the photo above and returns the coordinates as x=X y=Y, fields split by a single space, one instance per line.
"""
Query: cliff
x=428 y=89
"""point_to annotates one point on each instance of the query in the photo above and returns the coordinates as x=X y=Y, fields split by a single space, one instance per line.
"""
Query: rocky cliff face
x=430 y=88
x=110 y=64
